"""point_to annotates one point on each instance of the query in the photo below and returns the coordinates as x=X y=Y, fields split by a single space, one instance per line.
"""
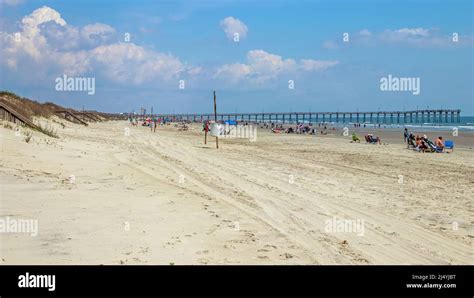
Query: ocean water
x=466 y=124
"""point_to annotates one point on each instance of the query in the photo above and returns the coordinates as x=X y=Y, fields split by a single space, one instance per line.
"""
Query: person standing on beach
x=152 y=125
x=405 y=135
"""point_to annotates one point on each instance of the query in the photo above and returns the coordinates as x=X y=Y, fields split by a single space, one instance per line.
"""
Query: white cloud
x=413 y=32
x=365 y=32
x=262 y=66
x=411 y=37
x=233 y=72
x=74 y=63
x=127 y=62
x=417 y=37
x=48 y=46
x=40 y=16
x=266 y=66
x=231 y=25
x=195 y=70
x=11 y=2
x=32 y=43
x=97 y=31
x=316 y=65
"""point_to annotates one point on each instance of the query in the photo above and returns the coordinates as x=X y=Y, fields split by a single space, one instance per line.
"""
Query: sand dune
x=166 y=198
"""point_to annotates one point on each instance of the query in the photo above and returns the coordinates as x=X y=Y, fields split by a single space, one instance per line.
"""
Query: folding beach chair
x=448 y=144
x=433 y=147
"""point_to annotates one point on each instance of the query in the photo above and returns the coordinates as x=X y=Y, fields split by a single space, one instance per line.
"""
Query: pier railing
x=393 y=117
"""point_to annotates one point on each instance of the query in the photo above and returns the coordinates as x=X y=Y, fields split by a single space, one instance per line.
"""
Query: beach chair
x=448 y=144
x=371 y=139
x=433 y=147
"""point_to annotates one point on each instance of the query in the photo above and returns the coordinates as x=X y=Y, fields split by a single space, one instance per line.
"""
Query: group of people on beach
x=416 y=142
x=299 y=128
x=369 y=138
x=359 y=125
x=152 y=123
x=422 y=143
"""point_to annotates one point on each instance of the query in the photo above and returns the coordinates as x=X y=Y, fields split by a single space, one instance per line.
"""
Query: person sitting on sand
x=439 y=142
x=372 y=139
x=411 y=140
x=420 y=144
x=355 y=138
x=367 y=138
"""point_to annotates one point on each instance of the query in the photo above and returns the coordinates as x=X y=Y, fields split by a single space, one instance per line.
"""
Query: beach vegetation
x=48 y=130
x=6 y=124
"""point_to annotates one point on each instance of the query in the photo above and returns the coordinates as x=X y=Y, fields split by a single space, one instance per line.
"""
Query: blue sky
x=279 y=41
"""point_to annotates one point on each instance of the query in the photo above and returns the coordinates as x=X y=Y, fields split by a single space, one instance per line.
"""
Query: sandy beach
x=103 y=196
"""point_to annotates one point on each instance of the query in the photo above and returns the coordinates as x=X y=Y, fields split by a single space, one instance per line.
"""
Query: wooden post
x=215 y=118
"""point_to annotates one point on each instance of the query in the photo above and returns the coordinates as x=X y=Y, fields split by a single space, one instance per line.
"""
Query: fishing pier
x=382 y=117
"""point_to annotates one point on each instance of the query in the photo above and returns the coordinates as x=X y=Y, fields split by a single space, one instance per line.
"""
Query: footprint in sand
x=287 y=256
x=362 y=260
x=268 y=246
x=229 y=246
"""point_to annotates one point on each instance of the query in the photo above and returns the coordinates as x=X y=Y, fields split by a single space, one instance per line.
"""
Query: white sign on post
x=217 y=129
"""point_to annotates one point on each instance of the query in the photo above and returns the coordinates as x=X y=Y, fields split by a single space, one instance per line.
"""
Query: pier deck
x=393 y=117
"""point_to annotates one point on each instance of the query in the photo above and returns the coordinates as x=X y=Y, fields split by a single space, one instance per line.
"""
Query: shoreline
x=463 y=139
